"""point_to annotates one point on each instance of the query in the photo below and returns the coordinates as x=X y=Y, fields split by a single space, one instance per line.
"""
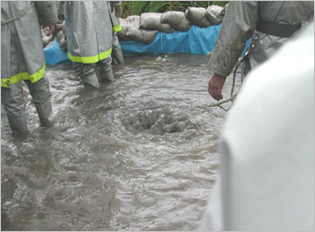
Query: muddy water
x=136 y=154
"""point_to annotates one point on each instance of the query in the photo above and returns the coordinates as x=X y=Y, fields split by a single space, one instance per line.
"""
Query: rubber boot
x=91 y=80
x=18 y=123
x=117 y=55
x=107 y=76
x=45 y=114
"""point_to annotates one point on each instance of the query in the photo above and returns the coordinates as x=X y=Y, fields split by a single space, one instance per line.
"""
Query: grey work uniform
x=89 y=37
x=266 y=180
x=22 y=58
x=240 y=23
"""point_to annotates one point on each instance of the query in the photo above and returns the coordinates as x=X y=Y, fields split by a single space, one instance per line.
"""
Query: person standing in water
x=22 y=59
x=89 y=40
x=115 y=12
x=266 y=173
x=270 y=24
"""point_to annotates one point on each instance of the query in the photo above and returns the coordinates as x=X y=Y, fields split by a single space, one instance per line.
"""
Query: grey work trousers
x=83 y=70
x=12 y=99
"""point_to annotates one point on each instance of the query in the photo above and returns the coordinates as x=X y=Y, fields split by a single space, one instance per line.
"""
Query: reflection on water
x=139 y=153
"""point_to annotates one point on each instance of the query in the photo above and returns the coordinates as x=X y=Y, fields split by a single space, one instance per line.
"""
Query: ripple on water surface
x=139 y=153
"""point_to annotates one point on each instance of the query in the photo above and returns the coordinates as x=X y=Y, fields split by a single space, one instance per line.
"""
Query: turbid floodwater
x=140 y=153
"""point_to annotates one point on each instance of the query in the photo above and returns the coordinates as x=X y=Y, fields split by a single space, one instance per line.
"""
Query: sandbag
x=131 y=31
x=197 y=15
x=214 y=14
x=61 y=39
x=133 y=20
x=44 y=31
x=177 y=20
x=152 y=21
x=60 y=35
x=130 y=21
x=122 y=33
x=141 y=35
x=47 y=40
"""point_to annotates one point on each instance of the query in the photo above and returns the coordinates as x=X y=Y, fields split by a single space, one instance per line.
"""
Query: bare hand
x=215 y=86
x=51 y=29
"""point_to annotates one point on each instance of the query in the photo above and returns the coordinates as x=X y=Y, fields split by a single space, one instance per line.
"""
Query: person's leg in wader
x=117 y=54
x=41 y=97
x=87 y=74
x=105 y=69
x=14 y=107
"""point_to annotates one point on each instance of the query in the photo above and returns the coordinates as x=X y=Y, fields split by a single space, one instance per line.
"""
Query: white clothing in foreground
x=267 y=152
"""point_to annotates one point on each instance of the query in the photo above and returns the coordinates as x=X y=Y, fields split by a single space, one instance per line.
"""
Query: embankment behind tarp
x=194 y=41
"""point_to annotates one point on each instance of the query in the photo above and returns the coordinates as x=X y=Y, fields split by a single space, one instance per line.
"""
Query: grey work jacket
x=239 y=25
x=88 y=30
x=22 y=55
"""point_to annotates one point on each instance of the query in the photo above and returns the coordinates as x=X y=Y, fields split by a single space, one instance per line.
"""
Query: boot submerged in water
x=18 y=123
x=91 y=80
x=107 y=76
x=45 y=114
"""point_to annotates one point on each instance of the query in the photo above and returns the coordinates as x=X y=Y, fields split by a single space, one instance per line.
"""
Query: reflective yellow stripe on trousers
x=90 y=59
x=23 y=76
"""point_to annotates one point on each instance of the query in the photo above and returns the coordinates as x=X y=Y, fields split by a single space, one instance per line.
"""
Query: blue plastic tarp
x=194 y=41
x=54 y=54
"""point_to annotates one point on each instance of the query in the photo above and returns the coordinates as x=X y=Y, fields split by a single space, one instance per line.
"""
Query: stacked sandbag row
x=130 y=30
x=143 y=28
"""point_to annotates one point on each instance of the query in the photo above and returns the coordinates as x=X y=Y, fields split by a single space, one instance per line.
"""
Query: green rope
x=23 y=13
